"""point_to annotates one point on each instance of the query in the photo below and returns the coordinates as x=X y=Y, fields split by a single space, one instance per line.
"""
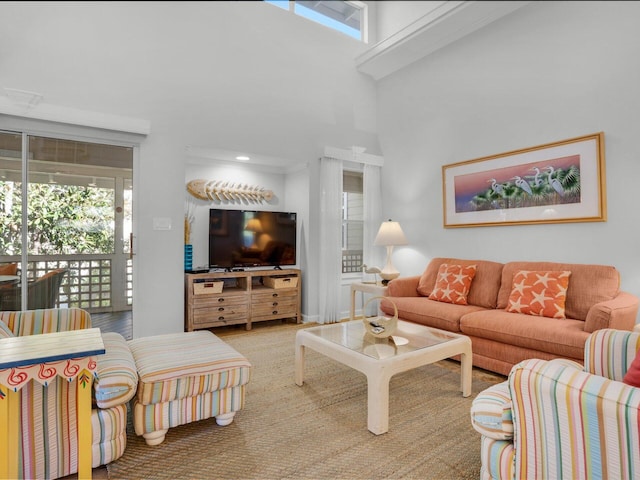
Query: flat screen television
x=248 y=238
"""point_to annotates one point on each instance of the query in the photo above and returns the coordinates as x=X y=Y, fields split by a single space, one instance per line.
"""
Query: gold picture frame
x=560 y=182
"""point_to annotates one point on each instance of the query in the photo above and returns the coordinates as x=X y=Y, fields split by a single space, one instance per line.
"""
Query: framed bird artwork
x=558 y=182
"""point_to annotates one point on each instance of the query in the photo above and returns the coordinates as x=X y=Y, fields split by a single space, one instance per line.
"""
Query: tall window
x=352 y=221
x=348 y=17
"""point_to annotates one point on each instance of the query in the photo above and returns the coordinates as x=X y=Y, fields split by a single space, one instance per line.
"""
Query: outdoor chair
x=43 y=292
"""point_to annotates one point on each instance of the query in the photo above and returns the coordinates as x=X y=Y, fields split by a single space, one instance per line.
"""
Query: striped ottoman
x=185 y=377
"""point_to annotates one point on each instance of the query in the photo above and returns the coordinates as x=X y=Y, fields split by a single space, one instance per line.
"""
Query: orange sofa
x=500 y=339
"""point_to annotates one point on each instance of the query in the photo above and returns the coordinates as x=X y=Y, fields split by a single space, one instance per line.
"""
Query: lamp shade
x=254 y=225
x=390 y=233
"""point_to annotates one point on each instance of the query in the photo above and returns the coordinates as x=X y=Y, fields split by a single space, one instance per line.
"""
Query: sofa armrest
x=551 y=399
x=618 y=313
x=47 y=320
x=117 y=378
x=403 y=287
x=609 y=352
x=491 y=412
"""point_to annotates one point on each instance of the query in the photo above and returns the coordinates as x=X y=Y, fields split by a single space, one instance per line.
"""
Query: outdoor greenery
x=62 y=219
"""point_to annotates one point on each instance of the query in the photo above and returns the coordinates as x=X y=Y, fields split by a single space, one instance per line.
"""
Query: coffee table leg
x=466 y=364
x=378 y=403
x=299 y=362
x=352 y=311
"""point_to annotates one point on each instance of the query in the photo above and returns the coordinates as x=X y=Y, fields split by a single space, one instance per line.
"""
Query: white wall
x=393 y=16
x=248 y=76
x=158 y=278
x=548 y=72
x=227 y=75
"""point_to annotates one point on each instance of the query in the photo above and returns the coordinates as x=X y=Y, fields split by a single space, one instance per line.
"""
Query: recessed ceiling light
x=242 y=158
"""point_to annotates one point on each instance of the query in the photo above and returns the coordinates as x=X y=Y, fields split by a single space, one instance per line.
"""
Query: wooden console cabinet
x=231 y=298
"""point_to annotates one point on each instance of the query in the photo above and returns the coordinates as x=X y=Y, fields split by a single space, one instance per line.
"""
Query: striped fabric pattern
x=572 y=424
x=186 y=377
x=49 y=447
x=117 y=377
x=497 y=459
x=609 y=352
x=5 y=331
x=48 y=428
x=491 y=412
x=109 y=434
x=176 y=366
x=33 y=322
x=164 y=415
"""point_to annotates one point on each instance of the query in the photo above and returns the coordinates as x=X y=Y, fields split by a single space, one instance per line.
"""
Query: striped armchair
x=48 y=447
x=557 y=419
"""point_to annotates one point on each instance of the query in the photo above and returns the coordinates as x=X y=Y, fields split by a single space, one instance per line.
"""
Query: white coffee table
x=380 y=359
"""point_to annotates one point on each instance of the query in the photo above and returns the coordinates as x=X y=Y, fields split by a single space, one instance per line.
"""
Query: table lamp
x=389 y=235
x=254 y=225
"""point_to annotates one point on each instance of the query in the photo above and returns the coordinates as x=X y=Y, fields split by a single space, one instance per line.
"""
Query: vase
x=188 y=258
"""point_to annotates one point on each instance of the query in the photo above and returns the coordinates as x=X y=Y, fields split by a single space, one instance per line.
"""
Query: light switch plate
x=161 y=223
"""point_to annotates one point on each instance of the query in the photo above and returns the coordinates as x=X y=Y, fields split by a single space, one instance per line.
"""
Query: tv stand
x=216 y=299
x=277 y=267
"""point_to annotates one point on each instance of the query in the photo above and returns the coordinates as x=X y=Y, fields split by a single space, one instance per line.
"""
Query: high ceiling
x=220 y=78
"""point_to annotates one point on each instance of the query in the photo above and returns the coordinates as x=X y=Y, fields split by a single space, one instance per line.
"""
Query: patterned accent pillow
x=632 y=377
x=5 y=331
x=540 y=293
x=453 y=283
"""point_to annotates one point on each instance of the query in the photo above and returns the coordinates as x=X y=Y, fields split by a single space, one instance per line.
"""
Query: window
x=352 y=221
x=349 y=17
x=79 y=216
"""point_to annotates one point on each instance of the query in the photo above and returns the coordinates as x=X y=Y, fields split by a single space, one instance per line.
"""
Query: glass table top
x=407 y=338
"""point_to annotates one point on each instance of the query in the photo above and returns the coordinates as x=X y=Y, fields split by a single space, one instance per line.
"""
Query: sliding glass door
x=65 y=220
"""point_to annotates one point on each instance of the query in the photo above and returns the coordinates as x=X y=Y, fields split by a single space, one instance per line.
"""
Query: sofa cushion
x=590 y=284
x=484 y=288
x=453 y=283
x=180 y=365
x=561 y=337
x=445 y=316
x=540 y=293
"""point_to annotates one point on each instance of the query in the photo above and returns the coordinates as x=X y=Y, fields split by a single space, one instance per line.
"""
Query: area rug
x=319 y=431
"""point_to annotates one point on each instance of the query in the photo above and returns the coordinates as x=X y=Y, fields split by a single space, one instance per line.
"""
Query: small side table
x=71 y=355
x=374 y=288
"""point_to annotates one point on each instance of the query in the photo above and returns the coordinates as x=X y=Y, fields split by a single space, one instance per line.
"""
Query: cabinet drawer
x=201 y=301
x=274 y=302
x=282 y=310
x=220 y=323
x=262 y=318
x=220 y=314
x=270 y=294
